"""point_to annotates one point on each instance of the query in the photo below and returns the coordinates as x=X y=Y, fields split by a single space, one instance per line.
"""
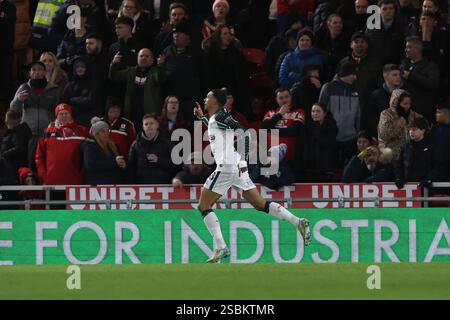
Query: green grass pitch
x=228 y=281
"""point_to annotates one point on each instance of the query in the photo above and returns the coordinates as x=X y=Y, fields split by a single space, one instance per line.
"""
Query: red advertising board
x=192 y=192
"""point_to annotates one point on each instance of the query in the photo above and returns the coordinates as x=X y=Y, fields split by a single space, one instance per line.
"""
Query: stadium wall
x=179 y=236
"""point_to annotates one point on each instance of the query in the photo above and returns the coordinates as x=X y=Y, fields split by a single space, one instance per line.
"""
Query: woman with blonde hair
x=55 y=75
x=102 y=160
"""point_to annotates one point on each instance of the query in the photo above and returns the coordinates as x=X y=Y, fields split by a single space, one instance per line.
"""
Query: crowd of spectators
x=97 y=103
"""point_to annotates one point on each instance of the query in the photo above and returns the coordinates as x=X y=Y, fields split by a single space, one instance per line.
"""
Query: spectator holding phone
x=36 y=99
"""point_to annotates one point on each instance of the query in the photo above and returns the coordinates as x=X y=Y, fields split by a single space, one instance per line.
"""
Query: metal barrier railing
x=341 y=201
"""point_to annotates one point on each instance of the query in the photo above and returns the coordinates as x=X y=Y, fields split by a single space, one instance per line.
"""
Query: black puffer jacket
x=415 y=162
x=141 y=171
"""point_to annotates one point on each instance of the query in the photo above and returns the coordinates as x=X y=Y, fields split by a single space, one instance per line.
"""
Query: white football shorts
x=220 y=181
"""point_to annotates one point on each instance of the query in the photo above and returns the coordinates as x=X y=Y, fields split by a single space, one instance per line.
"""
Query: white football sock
x=281 y=212
x=213 y=225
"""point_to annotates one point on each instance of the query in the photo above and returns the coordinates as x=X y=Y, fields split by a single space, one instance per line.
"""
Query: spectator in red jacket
x=59 y=156
x=288 y=119
x=123 y=132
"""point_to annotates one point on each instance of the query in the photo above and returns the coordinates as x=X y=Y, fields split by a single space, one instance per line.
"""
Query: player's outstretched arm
x=198 y=113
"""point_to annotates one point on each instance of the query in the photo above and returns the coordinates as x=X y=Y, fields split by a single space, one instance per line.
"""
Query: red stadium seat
x=255 y=56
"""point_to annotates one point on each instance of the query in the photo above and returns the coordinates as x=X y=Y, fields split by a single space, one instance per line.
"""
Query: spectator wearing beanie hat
x=281 y=44
x=304 y=54
x=340 y=97
x=59 y=155
x=102 y=160
x=220 y=16
x=369 y=67
x=36 y=99
x=123 y=132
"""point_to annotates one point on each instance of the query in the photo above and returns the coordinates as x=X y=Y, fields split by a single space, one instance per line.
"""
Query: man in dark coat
x=187 y=70
x=368 y=67
x=149 y=158
x=379 y=99
x=13 y=147
x=421 y=78
x=387 y=42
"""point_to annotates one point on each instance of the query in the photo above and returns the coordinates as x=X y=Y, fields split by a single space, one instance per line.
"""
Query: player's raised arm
x=198 y=112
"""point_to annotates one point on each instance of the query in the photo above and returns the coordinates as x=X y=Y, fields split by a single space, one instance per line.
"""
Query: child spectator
x=28 y=178
x=415 y=162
